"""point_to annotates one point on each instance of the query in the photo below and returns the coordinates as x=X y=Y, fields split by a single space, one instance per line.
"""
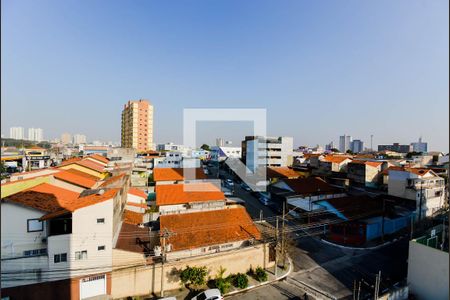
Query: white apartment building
x=176 y=159
x=50 y=234
x=79 y=139
x=17 y=133
x=222 y=153
x=420 y=185
x=35 y=134
x=172 y=147
x=267 y=152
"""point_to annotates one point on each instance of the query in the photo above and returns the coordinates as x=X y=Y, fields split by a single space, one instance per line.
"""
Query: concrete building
x=79 y=139
x=260 y=151
x=66 y=138
x=35 y=134
x=61 y=240
x=420 y=185
x=420 y=146
x=357 y=146
x=365 y=173
x=329 y=146
x=17 y=133
x=222 y=153
x=137 y=125
x=345 y=143
x=396 y=147
x=428 y=261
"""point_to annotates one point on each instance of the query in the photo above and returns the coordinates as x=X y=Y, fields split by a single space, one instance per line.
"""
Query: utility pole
x=283 y=238
x=377 y=285
x=260 y=215
x=359 y=290
x=354 y=289
x=164 y=236
x=276 y=247
x=443 y=234
x=420 y=201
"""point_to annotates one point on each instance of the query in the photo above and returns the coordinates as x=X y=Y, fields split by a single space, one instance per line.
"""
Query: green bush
x=193 y=276
x=260 y=274
x=223 y=284
x=240 y=280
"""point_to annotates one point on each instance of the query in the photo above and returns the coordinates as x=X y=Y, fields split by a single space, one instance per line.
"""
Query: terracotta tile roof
x=99 y=158
x=76 y=179
x=80 y=202
x=310 y=186
x=175 y=174
x=137 y=192
x=417 y=171
x=91 y=165
x=95 y=148
x=375 y=164
x=170 y=194
x=81 y=173
x=141 y=205
x=131 y=217
x=281 y=172
x=69 y=161
x=112 y=180
x=201 y=229
x=44 y=197
x=337 y=159
x=133 y=238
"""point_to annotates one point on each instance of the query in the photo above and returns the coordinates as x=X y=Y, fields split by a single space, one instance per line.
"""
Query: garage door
x=92 y=286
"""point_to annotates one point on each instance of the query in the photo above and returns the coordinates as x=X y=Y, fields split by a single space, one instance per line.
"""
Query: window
x=101 y=221
x=101 y=248
x=62 y=257
x=34 y=225
x=79 y=255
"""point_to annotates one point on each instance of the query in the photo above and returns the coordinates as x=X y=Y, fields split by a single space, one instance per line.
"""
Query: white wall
x=428 y=274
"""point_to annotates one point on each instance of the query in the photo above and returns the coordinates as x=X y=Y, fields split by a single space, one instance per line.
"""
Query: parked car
x=246 y=187
x=229 y=182
x=211 y=294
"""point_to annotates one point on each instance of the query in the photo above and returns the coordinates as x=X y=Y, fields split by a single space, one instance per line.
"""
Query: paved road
x=279 y=290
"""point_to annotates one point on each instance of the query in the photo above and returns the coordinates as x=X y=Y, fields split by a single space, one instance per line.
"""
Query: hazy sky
x=320 y=68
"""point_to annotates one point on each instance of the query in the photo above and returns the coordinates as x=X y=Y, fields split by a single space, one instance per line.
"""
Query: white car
x=212 y=294
x=229 y=182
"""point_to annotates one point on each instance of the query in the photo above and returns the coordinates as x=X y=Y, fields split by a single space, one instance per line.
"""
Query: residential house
x=365 y=173
x=420 y=185
x=206 y=232
x=61 y=240
x=177 y=175
x=186 y=198
x=303 y=193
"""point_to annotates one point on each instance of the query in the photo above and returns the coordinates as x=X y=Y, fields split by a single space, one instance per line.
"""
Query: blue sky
x=320 y=68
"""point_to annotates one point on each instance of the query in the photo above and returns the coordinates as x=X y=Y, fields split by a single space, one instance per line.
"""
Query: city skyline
x=387 y=58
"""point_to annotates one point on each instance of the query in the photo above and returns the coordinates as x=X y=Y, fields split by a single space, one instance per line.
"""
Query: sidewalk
x=184 y=294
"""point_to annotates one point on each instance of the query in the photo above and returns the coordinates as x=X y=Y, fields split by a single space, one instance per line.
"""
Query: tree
x=205 y=147
x=334 y=150
x=2 y=170
x=349 y=151
x=193 y=276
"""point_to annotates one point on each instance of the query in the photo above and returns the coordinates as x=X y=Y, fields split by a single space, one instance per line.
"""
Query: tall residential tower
x=137 y=125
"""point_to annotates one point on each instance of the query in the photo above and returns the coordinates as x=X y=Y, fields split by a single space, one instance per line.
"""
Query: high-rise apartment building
x=260 y=151
x=17 y=133
x=35 y=134
x=357 y=146
x=66 y=138
x=345 y=143
x=137 y=125
x=420 y=146
x=79 y=139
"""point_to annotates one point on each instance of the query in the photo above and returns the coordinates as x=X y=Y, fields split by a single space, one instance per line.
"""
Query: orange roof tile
x=81 y=173
x=375 y=164
x=141 y=205
x=170 y=194
x=76 y=179
x=69 y=161
x=417 y=171
x=99 y=158
x=310 y=186
x=112 y=180
x=201 y=229
x=174 y=174
x=337 y=159
x=133 y=238
x=91 y=165
x=281 y=172
x=137 y=192
x=131 y=217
